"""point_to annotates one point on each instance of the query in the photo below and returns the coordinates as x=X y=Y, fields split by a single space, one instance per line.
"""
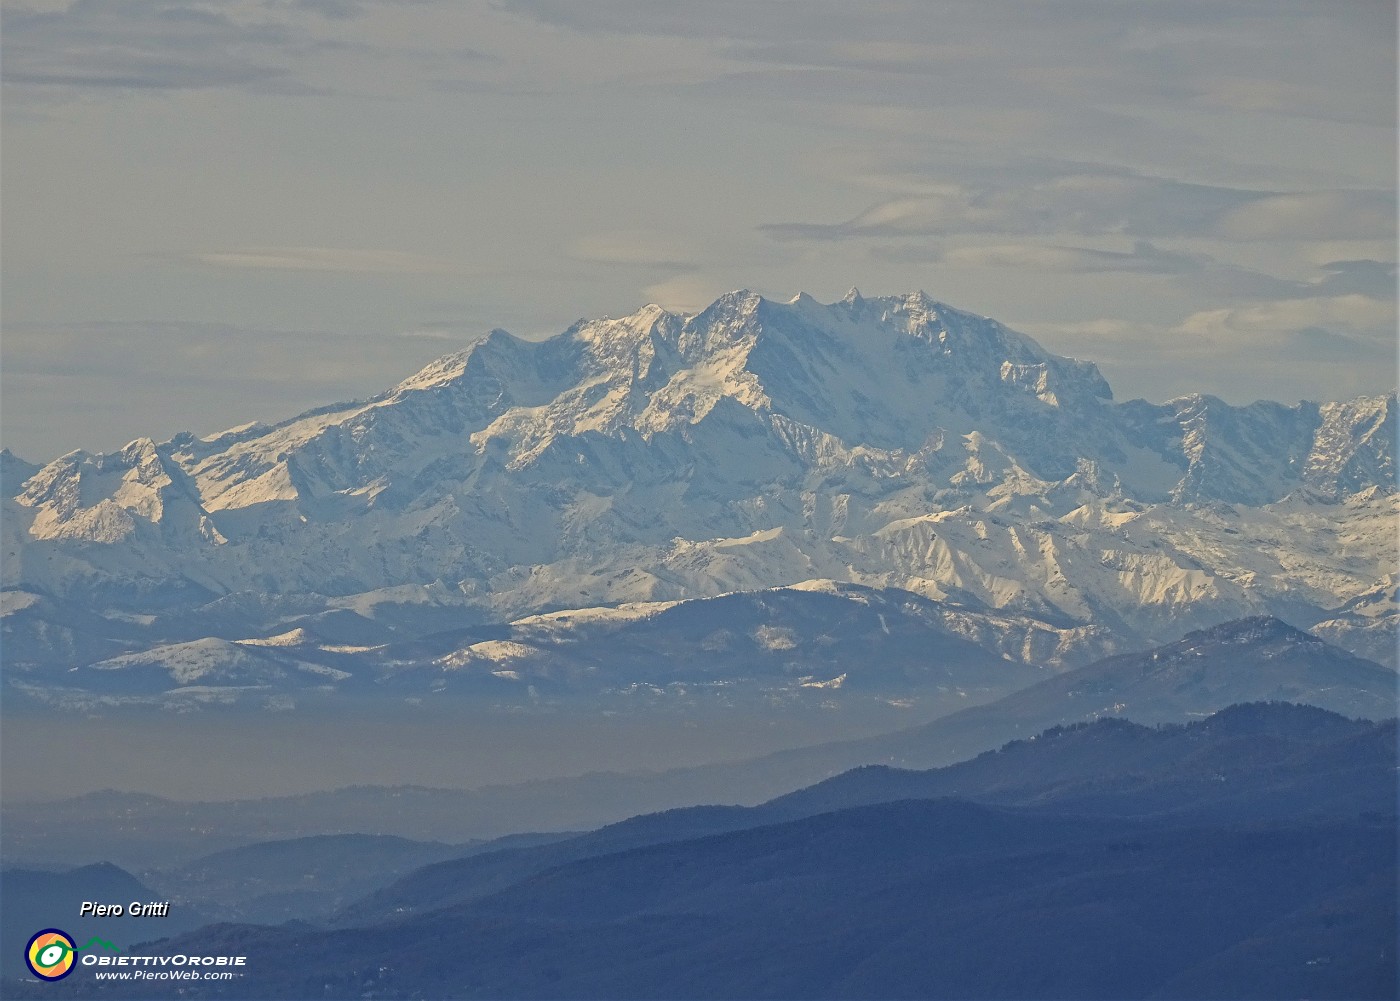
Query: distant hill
x=35 y=899
x=1257 y=659
x=1112 y=885
x=1248 y=660
x=276 y=881
x=1248 y=763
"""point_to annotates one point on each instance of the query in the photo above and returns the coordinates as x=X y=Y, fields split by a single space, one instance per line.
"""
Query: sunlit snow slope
x=892 y=442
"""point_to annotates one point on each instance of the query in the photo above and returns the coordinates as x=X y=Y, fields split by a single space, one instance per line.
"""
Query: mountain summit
x=893 y=442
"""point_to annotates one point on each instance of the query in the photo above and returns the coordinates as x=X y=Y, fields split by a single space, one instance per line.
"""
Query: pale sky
x=221 y=211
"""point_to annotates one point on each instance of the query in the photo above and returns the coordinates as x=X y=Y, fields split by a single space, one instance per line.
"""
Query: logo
x=49 y=954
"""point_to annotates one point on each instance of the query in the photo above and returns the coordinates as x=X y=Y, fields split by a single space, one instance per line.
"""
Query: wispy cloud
x=687 y=293
x=277 y=47
x=1145 y=258
x=1313 y=215
x=1205 y=277
x=151 y=45
x=334 y=259
x=636 y=248
x=1357 y=315
x=1326 y=347
x=547 y=159
x=1376 y=279
x=1112 y=202
x=1073 y=53
x=1217 y=281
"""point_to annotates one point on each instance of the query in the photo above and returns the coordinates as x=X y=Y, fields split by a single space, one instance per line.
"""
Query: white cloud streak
x=1356 y=314
x=330 y=259
x=1108 y=202
x=1177 y=173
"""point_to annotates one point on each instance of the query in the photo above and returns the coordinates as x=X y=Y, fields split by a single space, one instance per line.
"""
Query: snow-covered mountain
x=895 y=443
x=817 y=644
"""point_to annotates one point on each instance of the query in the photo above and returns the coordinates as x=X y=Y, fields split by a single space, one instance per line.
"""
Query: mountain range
x=36 y=899
x=878 y=453
x=1251 y=660
x=1248 y=854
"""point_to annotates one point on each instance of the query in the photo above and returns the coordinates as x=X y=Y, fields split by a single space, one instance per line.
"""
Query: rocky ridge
x=893 y=443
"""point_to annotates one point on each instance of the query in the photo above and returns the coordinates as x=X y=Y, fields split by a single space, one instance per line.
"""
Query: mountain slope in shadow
x=1071 y=897
x=1245 y=764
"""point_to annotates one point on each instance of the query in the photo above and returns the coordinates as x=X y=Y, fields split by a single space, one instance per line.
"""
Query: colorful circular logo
x=50 y=954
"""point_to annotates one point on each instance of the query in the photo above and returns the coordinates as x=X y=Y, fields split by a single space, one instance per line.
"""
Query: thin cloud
x=646 y=249
x=1144 y=258
x=717 y=19
x=1253 y=96
x=1218 y=281
x=1283 y=59
x=1326 y=347
x=268 y=47
x=332 y=259
x=1356 y=318
x=685 y=293
x=1314 y=215
x=1205 y=277
x=1358 y=314
x=1376 y=279
x=1112 y=202
x=1086 y=204
x=335 y=10
x=145 y=45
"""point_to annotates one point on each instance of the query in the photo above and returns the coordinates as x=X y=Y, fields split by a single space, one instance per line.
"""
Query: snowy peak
x=441 y=373
x=107 y=497
x=887 y=442
x=1353 y=447
x=881 y=372
x=892 y=374
x=1262 y=452
x=14 y=472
